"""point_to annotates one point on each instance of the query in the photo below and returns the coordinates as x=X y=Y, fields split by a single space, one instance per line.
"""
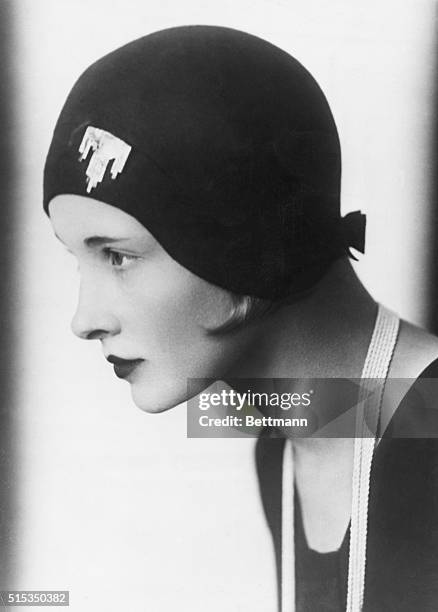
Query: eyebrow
x=95 y=241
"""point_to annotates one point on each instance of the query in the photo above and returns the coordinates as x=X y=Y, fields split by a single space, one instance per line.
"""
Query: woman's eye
x=119 y=260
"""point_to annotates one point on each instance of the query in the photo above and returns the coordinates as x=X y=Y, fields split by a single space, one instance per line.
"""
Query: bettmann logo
x=106 y=148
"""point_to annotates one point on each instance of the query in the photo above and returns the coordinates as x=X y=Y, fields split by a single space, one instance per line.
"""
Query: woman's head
x=220 y=149
x=142 y=305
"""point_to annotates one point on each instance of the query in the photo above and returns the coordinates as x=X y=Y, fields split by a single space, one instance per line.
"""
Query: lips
x=123 y=367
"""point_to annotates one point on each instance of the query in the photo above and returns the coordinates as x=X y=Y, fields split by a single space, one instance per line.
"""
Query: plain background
x=119 y=506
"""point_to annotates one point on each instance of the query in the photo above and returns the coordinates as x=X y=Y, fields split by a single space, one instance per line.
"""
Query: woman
x=195 y=175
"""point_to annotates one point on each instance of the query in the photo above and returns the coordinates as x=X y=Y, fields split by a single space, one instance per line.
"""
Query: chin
x=162 y=397
x=157 y=402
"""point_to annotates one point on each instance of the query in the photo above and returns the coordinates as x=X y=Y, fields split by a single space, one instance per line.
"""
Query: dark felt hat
x=222 y=145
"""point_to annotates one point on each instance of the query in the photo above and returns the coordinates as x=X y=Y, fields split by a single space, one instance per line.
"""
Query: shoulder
x=415 y=350
x=407 y=399
x=412 y=388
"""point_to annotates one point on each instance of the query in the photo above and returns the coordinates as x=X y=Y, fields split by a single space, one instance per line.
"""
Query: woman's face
x=143 y=306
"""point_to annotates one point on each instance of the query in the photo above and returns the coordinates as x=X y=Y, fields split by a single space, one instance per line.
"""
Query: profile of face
x=150 y=314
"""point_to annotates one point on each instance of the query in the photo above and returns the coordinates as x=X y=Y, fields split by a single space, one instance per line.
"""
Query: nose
x=93 y=320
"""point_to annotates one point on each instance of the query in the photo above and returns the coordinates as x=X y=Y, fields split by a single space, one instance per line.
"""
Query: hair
x=244 y=309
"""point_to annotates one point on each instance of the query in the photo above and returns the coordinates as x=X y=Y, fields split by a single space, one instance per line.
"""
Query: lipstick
x=123 y=367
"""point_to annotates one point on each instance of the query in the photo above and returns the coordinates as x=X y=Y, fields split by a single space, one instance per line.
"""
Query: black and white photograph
x=219 y=305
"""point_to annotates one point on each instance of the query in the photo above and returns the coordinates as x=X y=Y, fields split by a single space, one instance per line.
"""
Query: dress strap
x=287 y=531
x=374 y=373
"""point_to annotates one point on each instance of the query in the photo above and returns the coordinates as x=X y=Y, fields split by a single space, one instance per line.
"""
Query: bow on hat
x=353 y=231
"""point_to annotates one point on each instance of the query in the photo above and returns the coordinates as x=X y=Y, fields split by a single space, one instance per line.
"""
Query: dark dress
x=402 y=545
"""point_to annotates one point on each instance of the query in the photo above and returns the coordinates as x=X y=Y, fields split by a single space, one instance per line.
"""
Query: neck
x=326 y=334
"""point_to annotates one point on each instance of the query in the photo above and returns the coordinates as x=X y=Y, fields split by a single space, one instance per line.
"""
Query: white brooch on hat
x=105 y=147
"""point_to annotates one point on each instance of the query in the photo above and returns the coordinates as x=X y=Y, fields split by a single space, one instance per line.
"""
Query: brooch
x=106 y=148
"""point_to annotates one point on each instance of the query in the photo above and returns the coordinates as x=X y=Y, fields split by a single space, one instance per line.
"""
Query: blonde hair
x=244 y=309
x=247 y=308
